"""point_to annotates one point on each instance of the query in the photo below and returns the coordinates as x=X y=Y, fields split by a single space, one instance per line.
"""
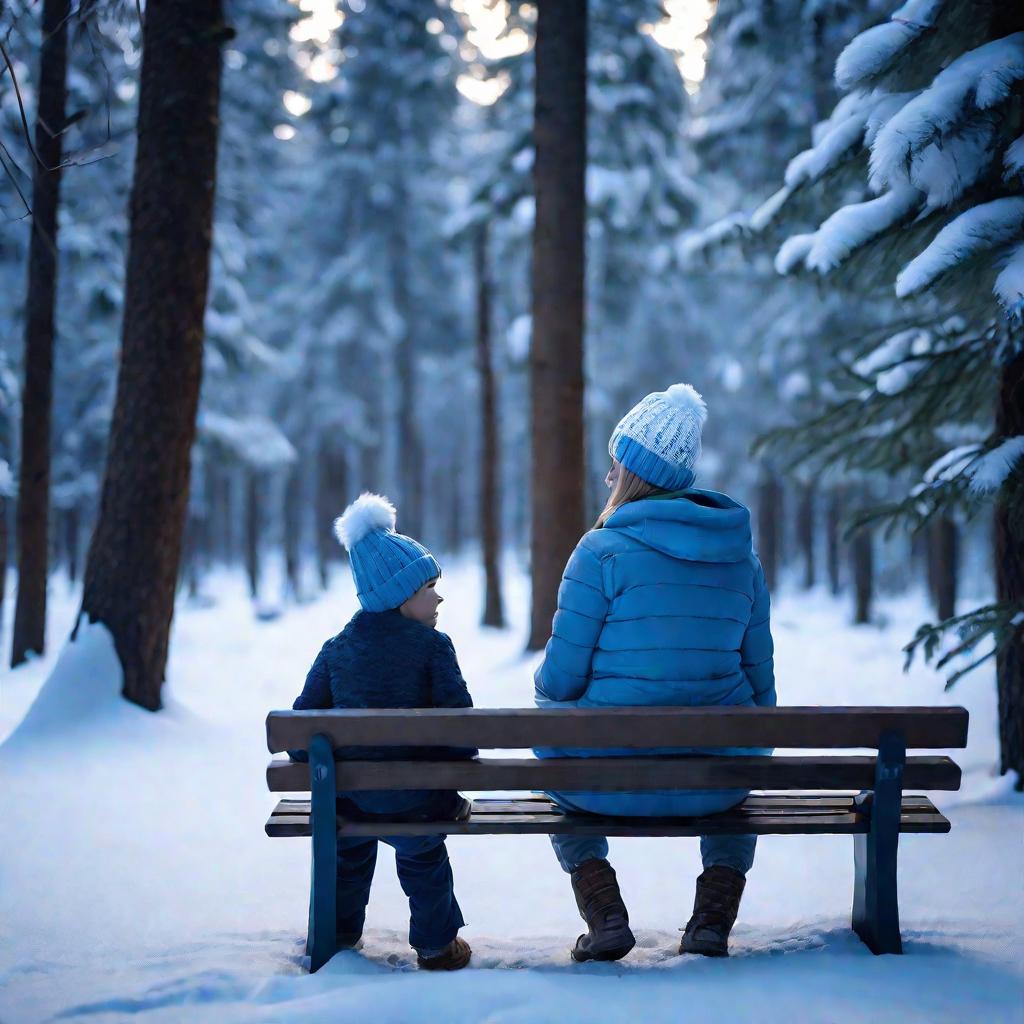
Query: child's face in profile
x=422 y=606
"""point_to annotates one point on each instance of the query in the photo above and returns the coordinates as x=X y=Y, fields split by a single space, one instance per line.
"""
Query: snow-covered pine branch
x=981 y=229
x=874 y=52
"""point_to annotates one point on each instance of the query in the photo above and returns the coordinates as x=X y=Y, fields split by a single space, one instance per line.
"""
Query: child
x=390 y=655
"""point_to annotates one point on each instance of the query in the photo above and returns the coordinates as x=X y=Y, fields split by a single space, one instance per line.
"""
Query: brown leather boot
x=714 y=912
x=453 y=957
x=601 y=906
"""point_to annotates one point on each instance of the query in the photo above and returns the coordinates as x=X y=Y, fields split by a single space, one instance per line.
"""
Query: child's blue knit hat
x=388 y=567
x=659 y=438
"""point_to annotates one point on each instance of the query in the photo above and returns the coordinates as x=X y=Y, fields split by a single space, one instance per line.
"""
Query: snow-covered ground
x=136 y=880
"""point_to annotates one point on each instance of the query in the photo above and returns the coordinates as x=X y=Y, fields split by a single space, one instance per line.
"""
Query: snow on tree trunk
x=37 y=394
x=490 y=449
x=1009 y=568
x=556 y=352
x=133 y=560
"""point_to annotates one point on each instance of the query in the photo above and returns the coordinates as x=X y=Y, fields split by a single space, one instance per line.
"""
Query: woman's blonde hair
x=629 y=487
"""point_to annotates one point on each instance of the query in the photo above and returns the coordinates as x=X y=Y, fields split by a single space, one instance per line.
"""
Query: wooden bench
x=875 y=814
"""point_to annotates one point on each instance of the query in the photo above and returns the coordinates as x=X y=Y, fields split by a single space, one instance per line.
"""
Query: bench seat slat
x=803 y=815
x=622 y=774
x=518 y=728
x=757 y=802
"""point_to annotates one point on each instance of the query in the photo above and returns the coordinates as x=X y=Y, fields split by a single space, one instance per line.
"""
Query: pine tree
x=933 y=115
x=134 y=556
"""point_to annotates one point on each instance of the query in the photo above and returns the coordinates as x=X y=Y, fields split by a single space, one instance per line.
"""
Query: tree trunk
x=805 y=532
x=220 y=514
x=556 y=353
x=410 y=444
x=253 y=483
x=833 y=518
x=768 y=527
x=862 y=551
x=331 y=479
x=944 y=551
x=133 y=560
x=490 y=452
x=450 y=477
x=37 y=395
x=293 y=529
x=3 y=557
x=1009 y=567
x=72 y=525
x=189 y=574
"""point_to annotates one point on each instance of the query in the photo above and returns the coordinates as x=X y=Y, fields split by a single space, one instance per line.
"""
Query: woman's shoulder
x=602 y=543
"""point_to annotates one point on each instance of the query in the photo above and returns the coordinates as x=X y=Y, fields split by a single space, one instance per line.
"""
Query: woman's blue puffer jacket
x=664 y=606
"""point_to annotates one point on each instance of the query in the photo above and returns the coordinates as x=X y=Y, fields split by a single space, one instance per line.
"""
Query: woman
x=663 y=603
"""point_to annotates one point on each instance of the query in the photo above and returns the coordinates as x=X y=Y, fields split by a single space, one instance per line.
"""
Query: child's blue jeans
x=736 y=852
x=424 y=873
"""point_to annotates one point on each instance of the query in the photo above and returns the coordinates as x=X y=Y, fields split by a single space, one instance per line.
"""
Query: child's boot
x=714 y=912
x=453 y=957
x=600 y=902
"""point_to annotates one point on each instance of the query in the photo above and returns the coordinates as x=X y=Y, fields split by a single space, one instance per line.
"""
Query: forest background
x=436 y=250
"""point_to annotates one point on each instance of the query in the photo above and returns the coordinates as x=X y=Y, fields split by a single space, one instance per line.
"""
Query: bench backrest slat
x=611 y=774
x=633 y=728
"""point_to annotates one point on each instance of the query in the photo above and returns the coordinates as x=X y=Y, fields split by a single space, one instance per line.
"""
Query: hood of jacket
x=694 y=524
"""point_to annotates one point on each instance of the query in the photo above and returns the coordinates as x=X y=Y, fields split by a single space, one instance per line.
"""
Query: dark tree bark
x=943 y=555
x=293 y=529
x=133 y=560
x=410 y=444
x=769 y=527
x=3 y=558
x=490 y=451
x=37 y=394
x=805 y=532
x=253 y=523
x=1009 y=570
x=556 y=353
x=833 y=517
x=72 y=540
x=863 y=554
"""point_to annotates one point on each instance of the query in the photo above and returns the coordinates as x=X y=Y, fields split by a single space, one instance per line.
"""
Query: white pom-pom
x=683 y=396
x=367 y=513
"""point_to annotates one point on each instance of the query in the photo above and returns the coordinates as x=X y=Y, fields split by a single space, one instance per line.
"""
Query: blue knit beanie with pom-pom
x=659 y=438
x=388 y=567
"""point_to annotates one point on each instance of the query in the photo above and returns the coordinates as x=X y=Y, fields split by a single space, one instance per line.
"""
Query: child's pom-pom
x=367 y=513
x=685 y=396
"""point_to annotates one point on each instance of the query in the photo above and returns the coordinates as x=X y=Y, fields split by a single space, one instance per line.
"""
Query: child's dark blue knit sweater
x=385 y=660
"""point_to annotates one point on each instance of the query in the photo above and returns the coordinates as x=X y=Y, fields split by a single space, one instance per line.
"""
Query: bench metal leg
x=322 y=940
x=876 y=915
